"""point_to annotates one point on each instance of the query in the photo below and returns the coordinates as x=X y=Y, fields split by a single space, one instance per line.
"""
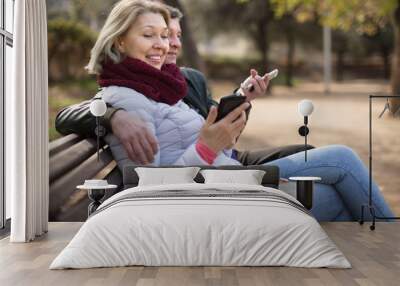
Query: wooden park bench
x=73 y=160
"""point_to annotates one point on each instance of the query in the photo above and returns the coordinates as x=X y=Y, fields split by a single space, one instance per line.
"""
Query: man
x=139 y=143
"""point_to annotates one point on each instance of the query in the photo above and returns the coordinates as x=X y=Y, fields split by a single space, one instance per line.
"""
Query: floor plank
x=374 y=255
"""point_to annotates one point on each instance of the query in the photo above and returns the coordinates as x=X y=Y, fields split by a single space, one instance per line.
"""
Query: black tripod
x=369 y=206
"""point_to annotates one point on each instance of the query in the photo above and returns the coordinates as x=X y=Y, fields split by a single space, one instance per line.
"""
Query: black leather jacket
x=78 y=119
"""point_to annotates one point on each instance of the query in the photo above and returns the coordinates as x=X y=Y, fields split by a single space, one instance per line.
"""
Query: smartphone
x=271 y=75
x=228 y=104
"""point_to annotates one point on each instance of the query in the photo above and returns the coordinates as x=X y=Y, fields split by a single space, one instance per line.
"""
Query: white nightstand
x=96 y=191
x=305 y=189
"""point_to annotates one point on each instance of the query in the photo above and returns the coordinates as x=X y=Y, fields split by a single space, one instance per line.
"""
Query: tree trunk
x=259 y=31
x=51 y=54
x=395 y=79
x=261 y=40
x=340 y=65
x=290 y=61
x=190 y=54
x=386 y=62
x=290 y=51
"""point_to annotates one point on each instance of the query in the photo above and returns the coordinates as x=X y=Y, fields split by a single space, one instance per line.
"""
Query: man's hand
x=136 y=138
x=220 y=135
x=259 y=85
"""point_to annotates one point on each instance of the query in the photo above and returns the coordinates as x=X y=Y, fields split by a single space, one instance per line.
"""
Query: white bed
x=201 y=224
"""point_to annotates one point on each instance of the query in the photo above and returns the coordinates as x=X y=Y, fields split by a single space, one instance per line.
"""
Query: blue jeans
x=344 y=185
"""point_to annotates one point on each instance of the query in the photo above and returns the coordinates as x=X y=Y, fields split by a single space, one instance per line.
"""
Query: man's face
x=175 y=44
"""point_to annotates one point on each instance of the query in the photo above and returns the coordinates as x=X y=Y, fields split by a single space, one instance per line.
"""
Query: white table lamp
x=98 y=108
x=305 y=108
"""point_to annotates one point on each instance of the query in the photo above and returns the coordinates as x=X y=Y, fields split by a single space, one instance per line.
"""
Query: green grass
x=55 y=105
x=66 y=93
x=85 y=85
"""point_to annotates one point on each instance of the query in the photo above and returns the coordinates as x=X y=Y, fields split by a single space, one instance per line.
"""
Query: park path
x=339 y=118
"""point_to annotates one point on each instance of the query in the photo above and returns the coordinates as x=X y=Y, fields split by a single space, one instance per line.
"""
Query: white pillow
x=248 y=177
x=166 y=176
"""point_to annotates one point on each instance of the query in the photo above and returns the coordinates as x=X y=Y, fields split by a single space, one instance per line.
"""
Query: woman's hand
x=259 y=84
x=220 y=135
x=139 y=143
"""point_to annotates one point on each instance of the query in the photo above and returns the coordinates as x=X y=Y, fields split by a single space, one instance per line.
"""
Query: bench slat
x=71 y=157
x=63 y=143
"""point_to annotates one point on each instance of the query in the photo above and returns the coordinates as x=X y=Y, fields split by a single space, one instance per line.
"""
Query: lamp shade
x=98 y=107
x=305 y=107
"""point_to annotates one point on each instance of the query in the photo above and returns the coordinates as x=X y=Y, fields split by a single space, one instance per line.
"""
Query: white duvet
x=207 y=230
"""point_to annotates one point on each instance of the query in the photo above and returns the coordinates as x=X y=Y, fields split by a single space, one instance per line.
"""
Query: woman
x=128 y=57
x=129 y=62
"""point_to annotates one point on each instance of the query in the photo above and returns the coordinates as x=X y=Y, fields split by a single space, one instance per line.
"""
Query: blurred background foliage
x=69 y=45
x=225 y=38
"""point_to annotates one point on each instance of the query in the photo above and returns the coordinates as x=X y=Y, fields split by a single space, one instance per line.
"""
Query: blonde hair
x=118 y=22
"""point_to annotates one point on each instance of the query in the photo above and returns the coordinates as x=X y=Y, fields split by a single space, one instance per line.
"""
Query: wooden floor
x=374 y=255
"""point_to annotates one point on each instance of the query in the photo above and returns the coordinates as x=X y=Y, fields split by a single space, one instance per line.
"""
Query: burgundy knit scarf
x=166 y=85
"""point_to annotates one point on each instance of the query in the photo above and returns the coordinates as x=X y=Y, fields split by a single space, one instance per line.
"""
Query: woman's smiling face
x=146 y=40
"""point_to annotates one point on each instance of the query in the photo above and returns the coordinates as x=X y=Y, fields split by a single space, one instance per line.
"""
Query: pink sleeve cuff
x=205 y=152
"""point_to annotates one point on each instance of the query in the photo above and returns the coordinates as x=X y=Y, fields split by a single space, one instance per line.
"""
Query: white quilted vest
x=176 y=128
